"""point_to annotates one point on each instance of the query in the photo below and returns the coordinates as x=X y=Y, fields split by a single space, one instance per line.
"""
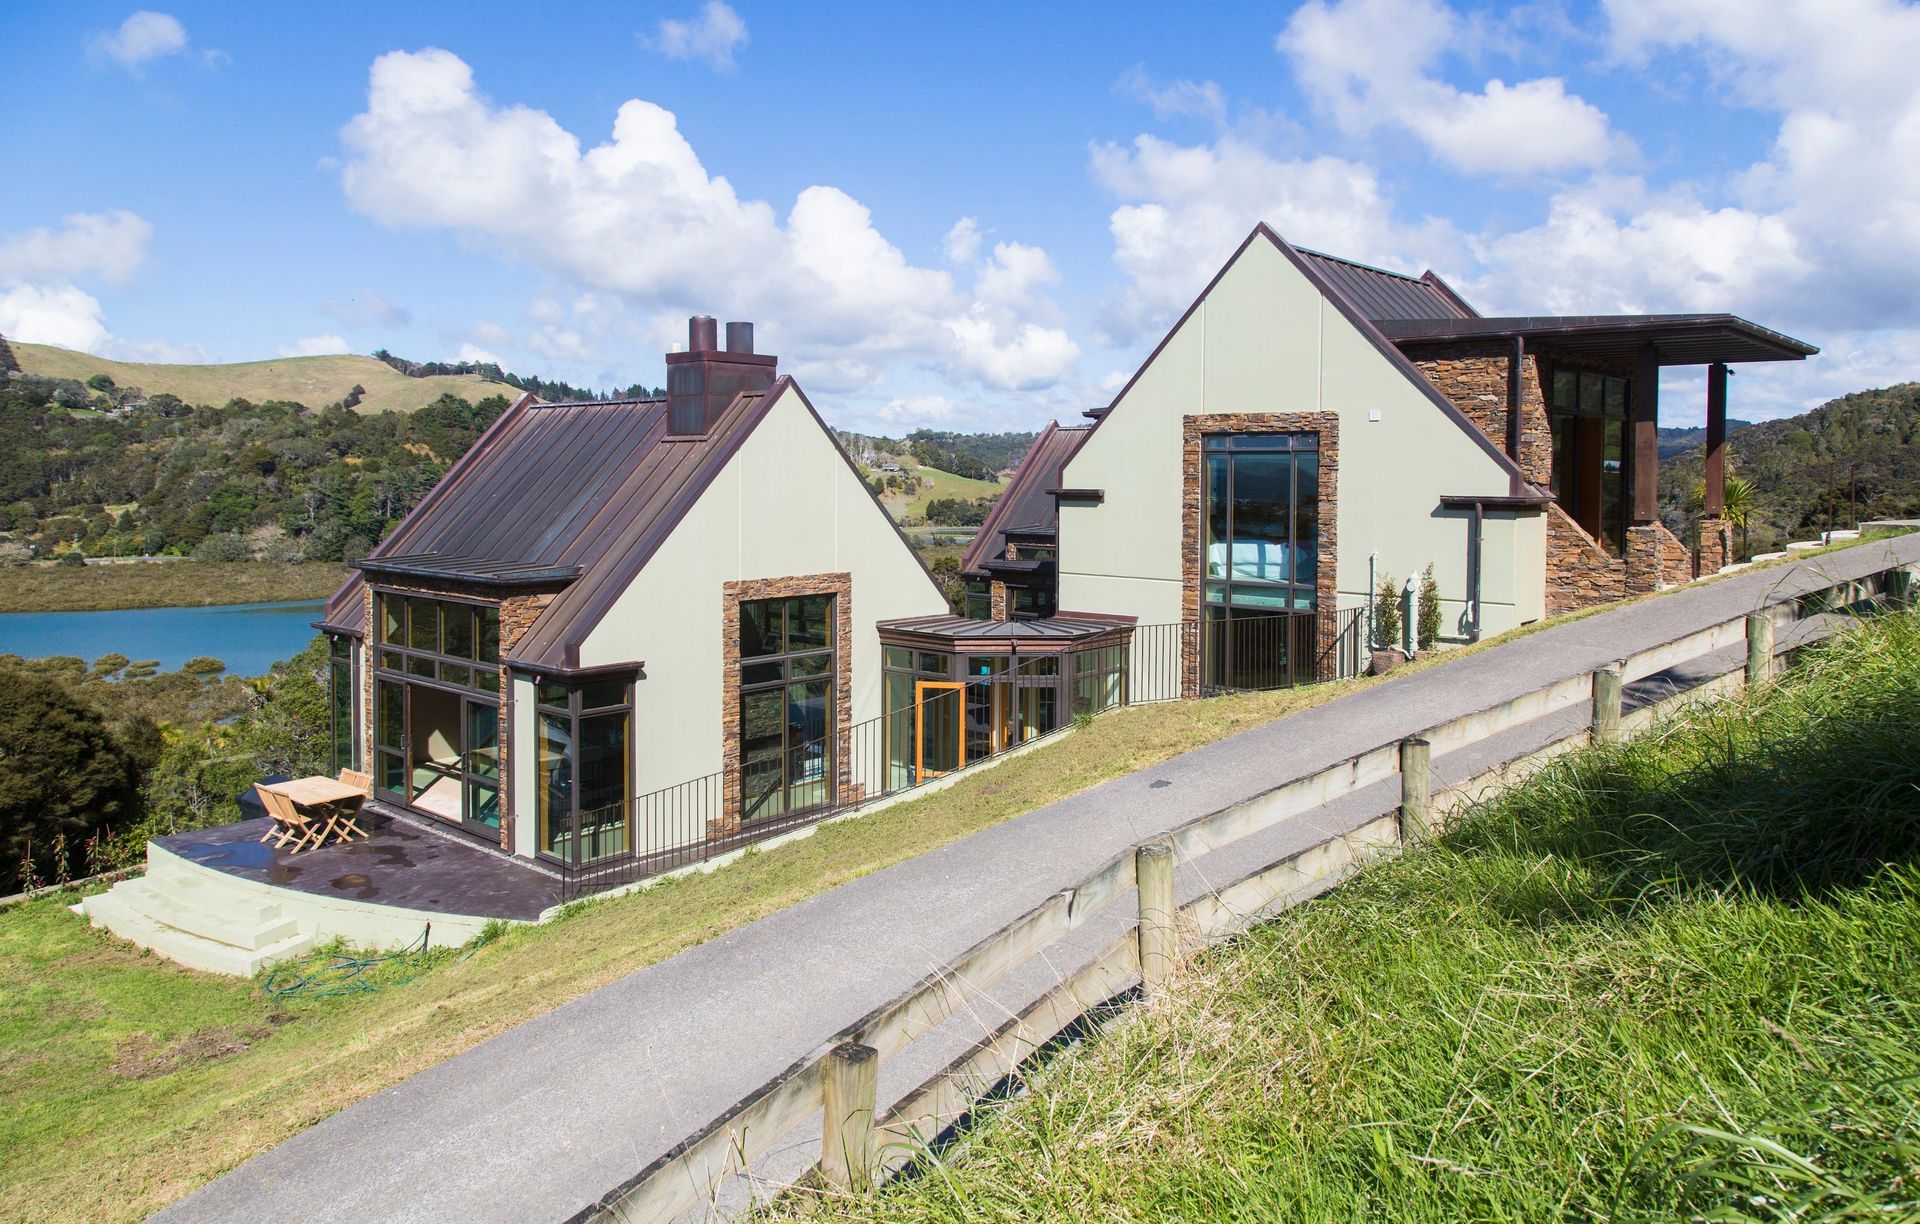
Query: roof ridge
x=1354 y=263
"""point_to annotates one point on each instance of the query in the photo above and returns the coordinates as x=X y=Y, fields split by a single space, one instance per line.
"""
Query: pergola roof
x=963 y=632
x=1677 y=339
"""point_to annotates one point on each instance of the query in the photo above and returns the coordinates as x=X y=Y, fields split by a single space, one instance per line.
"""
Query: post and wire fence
x=1001 y=703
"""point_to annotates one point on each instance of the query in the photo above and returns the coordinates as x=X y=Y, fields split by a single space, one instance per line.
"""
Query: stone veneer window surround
x=733 y=595
x=1194 y=429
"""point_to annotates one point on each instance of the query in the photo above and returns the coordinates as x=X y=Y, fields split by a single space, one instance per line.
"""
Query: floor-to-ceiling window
x=343 y=745
x=787 y=658
x=1261 y=557
x=1588 y=416
x=583 y=766
x=436 y=706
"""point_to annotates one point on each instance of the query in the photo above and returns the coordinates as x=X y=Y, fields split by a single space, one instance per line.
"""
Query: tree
x=1386 y=614
x=1427 y=631
x=1740 y=502
x=65 y=776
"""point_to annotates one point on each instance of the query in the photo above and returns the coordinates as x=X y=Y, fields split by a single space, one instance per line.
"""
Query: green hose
x=320 y=974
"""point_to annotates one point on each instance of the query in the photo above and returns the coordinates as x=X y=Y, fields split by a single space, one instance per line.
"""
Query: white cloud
x=1370 y=64
x=142 y=37
x=474 y=353
x=713 y=36
x=1192 y=99
x=640 y=217
x=111 y=245
x=488 y=333
x=962 y=242
x=161 y=351
x=368 y=310
x=315 y=346
x=56 y=314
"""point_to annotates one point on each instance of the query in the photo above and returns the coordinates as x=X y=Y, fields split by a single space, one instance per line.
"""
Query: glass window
x=456 y=631
x=343 y=745
x=423 y=625
x=1587 y=417
x=761 y=624
x=554 y=763
x=786 y=705
x=603 y=694
x=1262 y=560
x=584 y=764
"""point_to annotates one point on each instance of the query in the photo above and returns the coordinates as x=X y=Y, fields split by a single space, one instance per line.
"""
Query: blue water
x=248 y=638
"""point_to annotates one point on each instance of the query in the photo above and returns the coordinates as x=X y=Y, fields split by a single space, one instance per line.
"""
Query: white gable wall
x=785 y=505
x=1265 y=340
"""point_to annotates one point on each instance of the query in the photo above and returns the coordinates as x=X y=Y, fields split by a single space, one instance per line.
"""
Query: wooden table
x=317 y=791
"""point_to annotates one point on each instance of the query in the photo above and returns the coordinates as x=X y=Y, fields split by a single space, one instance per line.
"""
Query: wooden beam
x=1716 y=498
x=1645 y=407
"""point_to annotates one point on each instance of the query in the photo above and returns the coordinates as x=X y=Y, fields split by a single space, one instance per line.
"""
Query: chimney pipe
x=703 y=334
x=705 y=380
x=739 y=337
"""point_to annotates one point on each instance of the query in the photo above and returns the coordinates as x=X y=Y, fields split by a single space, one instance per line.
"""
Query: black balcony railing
x=907 y=748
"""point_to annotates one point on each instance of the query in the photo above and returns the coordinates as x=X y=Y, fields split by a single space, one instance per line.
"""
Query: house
x=605 y=599
x=1311 y=426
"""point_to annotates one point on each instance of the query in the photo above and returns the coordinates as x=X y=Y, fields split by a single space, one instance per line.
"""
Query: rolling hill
x=313 y=381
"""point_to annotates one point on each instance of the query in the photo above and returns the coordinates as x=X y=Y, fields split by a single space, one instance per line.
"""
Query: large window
x=787 y=656
x=1261 y=555
x=584 y=767
x=344 y=747
x=436 y=707
x=1588 y=414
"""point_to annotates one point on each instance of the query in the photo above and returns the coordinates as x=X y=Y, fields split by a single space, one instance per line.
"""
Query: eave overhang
x=1679 y=339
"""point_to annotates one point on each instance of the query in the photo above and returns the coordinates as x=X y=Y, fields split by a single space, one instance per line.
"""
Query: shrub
x=1427 y=628
x=1386 y=613
x=223 y=548
x=66 y=776
x=73 y=557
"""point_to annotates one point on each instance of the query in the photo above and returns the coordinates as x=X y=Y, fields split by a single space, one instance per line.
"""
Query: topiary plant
x=1427 y=625
x=1386 y=614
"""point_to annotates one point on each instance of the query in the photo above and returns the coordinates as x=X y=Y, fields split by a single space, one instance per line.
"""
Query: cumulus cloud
x=474 y=353
x=142 y=37
x=962 y=242
x=55 y=314
x=639 y=216
x=712 y=37
x=368 y=310
x=1371 y=64
x=110 y=245
x=1192 y=99
x=315 y=346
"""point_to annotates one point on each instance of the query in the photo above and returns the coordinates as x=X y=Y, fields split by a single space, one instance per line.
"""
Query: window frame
x=823 y=666
x=571 y=707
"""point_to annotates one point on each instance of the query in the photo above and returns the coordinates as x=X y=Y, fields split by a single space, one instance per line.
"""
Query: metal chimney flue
x=705 y=380
x=703 y=334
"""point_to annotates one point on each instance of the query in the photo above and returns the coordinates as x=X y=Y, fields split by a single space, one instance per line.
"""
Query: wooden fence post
x=1607 y=686
x=1416 y=790
x=1759 y=646
x=1159 y=940
x=850 y=1077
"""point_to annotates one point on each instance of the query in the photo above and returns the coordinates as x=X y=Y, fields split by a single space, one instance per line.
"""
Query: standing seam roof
x=1027 y=501
x=1380 y=294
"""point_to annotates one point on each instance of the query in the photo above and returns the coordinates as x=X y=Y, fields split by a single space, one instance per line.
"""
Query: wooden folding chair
x=294 y=827
x=340 y=818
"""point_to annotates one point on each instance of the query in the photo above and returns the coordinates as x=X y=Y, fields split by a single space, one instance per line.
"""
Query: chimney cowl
x=740 y=337
x=703 y=334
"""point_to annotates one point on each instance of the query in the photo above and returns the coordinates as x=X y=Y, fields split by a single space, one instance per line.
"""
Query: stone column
x=1643 y=559
x=1716 y=545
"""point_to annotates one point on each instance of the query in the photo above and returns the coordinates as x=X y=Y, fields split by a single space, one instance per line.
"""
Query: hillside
x=1853 y=458
x=313 y=381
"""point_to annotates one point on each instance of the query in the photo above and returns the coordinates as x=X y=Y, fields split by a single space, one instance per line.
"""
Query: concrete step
x=243 y=922
x=113 y=912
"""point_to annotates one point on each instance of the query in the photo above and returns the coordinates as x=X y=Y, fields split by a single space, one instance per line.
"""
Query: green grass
x=1671 y=979
x=313 y=381
x=129 y=1081
x=938 y=484
x=162 y=584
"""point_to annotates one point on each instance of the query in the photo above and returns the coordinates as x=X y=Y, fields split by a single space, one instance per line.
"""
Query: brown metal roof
x=1026 y=506
x=961 y=631
x=1677 y=339
x=1380 y=294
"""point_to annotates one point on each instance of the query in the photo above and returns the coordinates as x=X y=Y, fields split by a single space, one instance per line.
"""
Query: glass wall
x=1588 y=416
x=342 y=693
x=1261 y=553
x=583 y=762
x=436 y=699
x=978 y=704
x=787 y=655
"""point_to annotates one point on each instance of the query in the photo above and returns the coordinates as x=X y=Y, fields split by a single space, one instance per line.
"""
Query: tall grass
x=1674 y=978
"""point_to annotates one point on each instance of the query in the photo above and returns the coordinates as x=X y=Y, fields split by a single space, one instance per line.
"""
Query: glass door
x=939 y=725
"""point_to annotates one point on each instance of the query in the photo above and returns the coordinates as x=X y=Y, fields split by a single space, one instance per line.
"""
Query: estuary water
x=248 y=638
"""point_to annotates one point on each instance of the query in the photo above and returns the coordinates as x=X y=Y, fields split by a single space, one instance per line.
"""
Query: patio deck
x=400 y=865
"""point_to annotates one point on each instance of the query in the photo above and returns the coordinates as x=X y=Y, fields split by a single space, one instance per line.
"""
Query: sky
x=970 y=220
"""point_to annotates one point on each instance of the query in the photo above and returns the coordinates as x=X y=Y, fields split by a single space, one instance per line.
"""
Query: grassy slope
x=162 y=584
x=1661 y=980
x=250 y=1073
x=313 y=381
x=940 y=484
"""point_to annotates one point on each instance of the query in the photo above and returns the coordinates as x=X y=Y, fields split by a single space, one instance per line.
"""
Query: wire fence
x=1000 y=703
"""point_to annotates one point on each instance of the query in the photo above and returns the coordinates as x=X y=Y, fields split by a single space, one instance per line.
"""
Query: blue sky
x=975 y=219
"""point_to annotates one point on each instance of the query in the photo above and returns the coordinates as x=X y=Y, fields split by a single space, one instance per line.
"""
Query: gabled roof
x=1380 y=294
x=1026 y=506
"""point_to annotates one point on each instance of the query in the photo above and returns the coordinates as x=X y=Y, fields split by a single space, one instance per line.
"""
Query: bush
x=224 y=547
x=73 y=557
x=1427 y=629
x=66 y=778
x=1386 y=614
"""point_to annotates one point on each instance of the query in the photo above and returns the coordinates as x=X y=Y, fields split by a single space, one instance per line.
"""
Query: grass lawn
x=313 y=381
x=1673 y=979
x=162 y=584
x=130 y=1081
x=938 y=484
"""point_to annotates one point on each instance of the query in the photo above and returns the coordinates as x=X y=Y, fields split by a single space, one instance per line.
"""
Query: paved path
x=538 y=1122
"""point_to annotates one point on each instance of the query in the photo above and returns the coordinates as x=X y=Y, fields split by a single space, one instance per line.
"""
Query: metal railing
x=813 y=780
